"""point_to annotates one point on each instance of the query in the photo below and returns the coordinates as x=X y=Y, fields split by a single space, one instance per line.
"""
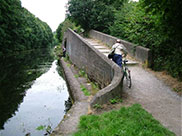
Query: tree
x=91 y=14
x=20 y=30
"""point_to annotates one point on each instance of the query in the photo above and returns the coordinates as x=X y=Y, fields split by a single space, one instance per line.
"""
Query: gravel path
x=157 y=98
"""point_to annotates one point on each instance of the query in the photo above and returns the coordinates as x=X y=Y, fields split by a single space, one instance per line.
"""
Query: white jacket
x=119 y=49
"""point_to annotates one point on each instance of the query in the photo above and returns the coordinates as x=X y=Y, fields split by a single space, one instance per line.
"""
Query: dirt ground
x=174 y=84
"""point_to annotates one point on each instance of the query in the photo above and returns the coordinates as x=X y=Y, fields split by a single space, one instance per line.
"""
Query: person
x=119 y=52
x=64 y=51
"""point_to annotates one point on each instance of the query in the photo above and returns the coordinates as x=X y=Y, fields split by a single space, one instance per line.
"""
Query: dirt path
x=154 y=95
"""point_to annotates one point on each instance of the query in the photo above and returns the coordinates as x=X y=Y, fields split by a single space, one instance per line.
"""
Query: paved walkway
x=156 y=97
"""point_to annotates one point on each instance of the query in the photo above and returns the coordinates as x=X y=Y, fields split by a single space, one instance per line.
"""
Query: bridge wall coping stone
x=142 y=54
x=97 y=66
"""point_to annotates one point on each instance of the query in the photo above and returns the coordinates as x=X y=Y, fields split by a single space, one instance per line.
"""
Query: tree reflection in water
x=17 y=73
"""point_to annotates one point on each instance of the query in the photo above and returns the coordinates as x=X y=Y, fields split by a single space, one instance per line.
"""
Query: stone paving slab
x=104 y=50
x=99 y=47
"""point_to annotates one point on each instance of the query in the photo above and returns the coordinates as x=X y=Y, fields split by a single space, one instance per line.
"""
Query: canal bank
x=32 y=94
x=81 y=103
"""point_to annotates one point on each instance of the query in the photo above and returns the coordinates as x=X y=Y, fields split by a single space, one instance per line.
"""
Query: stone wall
x=140 y=53
x=98 y=67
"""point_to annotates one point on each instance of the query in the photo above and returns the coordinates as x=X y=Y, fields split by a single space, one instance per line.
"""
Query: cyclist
x=119 y=52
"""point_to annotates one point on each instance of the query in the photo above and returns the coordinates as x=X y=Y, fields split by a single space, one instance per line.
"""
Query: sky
x=50 y=11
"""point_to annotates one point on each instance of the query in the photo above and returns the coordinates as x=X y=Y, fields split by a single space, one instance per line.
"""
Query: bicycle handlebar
x=124 y=61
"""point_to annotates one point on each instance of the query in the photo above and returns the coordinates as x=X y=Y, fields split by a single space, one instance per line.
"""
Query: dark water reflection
x=29 y=98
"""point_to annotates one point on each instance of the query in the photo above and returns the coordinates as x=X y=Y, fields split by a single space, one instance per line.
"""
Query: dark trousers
x=117 y=59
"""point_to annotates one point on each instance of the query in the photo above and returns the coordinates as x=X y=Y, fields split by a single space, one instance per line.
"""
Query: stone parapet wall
x=140 y=53
x=97 y=66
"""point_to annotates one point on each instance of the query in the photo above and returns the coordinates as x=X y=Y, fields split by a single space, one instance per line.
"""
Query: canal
x=32 y=94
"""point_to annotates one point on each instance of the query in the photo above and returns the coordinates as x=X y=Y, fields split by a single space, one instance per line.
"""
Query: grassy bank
x=131 y=121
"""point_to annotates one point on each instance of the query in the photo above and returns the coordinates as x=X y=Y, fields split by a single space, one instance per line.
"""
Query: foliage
x=170 y=21
x=95 y=87
x=48 y=129
x=130 y=121
x=84 y=90
x=62 y=28
x=76 y=76
x=20 y=30
x=58 y=51
x=41 y=127
x=82 y=73
x=91 y=14
x=97 y=106
x=115 y=100
x=147 y=28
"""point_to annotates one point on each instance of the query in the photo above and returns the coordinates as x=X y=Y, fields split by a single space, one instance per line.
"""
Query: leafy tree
x=91 y=14
x=149 y=27
x=63 y=27
x=20 y=30
x=59 y=32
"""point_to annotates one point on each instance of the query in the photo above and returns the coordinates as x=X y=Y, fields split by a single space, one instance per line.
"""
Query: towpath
x=153 y=94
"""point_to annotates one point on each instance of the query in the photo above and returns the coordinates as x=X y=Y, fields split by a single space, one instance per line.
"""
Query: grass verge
x=130 y=121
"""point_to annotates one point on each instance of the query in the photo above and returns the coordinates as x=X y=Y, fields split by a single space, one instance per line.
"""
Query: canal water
x=32 y=94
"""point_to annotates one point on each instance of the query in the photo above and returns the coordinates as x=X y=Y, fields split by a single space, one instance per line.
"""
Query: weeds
x=48 y=129
x=76 y=76
x=97 y=106
x=95 y=88
x=68 y=65
x=82 y=73
x=177 y=90
x=115 y=100
x=67 y=59
x=85 y=90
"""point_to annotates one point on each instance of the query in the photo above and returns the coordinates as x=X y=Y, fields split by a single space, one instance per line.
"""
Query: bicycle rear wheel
x=128 y=78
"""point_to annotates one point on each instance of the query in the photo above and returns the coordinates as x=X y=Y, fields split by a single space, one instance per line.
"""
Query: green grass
x=130 y=121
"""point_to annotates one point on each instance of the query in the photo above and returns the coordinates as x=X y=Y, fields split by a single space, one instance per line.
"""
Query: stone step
x=130 y=62
x=104 y=50
x=106 y=54
x=99 y=47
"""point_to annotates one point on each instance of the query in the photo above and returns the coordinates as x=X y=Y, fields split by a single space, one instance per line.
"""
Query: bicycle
x=127 y=73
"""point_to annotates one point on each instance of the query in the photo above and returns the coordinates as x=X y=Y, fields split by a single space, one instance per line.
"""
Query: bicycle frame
x=127 y=73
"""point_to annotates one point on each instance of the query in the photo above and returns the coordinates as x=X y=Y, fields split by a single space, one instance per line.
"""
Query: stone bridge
x=90 y=54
